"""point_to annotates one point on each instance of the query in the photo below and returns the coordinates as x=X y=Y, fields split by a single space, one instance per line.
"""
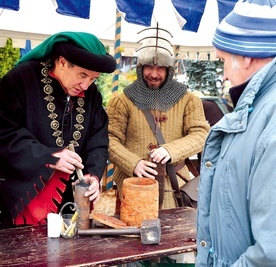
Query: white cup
x=53 y=225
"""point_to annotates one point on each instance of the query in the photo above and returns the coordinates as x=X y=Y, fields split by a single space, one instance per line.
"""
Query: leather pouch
x=189 y=193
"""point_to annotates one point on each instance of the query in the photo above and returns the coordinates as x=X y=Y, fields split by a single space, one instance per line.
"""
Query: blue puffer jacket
x=236 y=222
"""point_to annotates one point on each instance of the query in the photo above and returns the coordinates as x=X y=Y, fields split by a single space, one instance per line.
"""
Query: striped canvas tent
x=93 y=16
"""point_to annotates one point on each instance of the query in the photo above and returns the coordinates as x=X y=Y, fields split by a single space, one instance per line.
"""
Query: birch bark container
x=139 y=200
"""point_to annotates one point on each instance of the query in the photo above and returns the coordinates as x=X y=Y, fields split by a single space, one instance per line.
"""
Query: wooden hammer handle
x=104 y=231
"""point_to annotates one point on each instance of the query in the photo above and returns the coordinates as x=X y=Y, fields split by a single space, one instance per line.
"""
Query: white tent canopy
x=37 y=20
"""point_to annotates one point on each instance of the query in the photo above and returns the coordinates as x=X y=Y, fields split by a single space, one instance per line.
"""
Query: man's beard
x=155 y=86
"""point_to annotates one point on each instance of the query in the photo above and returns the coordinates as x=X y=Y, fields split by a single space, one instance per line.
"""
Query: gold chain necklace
x=48 y=90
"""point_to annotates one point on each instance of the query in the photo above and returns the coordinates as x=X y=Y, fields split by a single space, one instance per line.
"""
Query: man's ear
x=247 y=62
x=62 y=61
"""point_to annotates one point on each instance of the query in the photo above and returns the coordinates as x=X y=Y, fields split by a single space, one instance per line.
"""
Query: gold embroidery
x=54 y=124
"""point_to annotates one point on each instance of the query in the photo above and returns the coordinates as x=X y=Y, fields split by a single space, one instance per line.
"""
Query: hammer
x=150 y=231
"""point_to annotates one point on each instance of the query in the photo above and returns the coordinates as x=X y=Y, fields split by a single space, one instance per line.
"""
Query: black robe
x=26 y=138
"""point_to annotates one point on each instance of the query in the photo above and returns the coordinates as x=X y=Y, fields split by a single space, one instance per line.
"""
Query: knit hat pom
x=249 y=30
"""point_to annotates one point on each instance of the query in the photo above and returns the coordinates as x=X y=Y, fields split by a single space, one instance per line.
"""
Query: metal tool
x=150 y=231
x=78 y=171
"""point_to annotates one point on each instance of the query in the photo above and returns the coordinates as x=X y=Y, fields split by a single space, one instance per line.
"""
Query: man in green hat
x=48 y=101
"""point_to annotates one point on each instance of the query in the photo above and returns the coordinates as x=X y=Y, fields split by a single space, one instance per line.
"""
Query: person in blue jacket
x=237 y=191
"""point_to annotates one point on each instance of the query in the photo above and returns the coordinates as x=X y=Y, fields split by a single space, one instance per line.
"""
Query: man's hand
x=68 y=161
x=93 y=191
x=146 y=169
x=160 y=154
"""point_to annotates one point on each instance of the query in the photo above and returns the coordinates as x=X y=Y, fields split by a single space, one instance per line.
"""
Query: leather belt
x=170 y=168
x=179 y=166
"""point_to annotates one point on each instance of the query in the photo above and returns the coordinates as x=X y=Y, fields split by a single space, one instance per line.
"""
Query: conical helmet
x=156 y=50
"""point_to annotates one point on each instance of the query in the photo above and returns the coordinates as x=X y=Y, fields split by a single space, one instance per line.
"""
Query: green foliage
x=203 y=76
x=8 y=57
x=105 y=84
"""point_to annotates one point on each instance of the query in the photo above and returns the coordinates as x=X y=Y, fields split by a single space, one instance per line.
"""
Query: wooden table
x=30 y=246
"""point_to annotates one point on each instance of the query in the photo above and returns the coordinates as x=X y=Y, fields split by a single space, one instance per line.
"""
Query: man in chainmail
x=177 y=113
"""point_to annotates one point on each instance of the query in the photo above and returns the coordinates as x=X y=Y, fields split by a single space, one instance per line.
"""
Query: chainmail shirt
x=155 y=99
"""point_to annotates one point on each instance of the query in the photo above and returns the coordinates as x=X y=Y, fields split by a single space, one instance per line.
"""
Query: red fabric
x=36 y=211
